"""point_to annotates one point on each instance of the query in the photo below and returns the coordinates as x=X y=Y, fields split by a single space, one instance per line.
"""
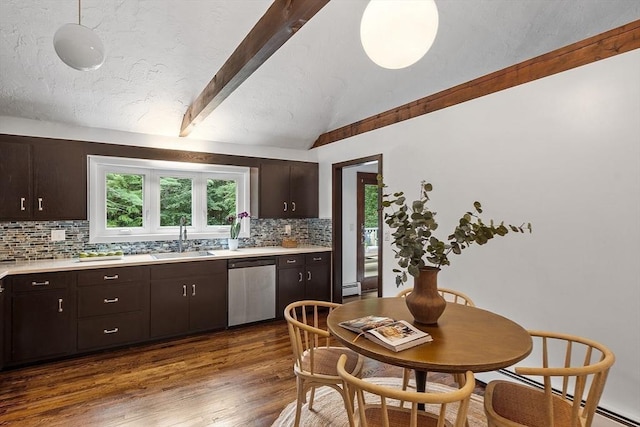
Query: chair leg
x=348 y=396
x=405 y=378
x=299 y=400
x=313 y=393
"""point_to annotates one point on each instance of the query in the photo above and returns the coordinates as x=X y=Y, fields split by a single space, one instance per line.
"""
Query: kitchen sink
x=173 y=255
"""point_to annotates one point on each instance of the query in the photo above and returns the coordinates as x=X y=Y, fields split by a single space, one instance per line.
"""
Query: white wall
x=350 y=232
x=562 y=152
x=26 y=127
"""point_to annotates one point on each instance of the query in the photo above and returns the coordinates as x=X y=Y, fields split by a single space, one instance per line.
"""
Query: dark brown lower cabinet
x=42 y=317
x=188 y=297
x=303 y=277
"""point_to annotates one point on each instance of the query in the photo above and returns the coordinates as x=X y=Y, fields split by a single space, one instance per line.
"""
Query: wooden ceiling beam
x=605 y=45
x=277 y=25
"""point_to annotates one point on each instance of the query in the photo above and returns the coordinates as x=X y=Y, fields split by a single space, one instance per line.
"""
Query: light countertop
x=67 y=264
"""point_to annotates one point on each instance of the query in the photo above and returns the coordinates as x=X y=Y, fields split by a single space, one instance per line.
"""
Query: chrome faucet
x=183 y=222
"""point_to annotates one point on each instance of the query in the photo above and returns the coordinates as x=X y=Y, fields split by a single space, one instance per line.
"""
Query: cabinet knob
x=193 y=290
x=59 y=305
x=293 y=206
x=308 y=275
x=285 y=206
x=184 y=290
x=300 y=277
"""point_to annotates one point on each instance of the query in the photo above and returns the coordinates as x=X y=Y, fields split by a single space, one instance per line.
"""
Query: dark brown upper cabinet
x=42 y=179
x=288 y=190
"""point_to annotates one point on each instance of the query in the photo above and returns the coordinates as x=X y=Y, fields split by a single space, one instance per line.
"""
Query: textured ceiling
x=162 y=53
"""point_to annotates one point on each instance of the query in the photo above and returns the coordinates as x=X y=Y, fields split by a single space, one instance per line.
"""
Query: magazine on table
x=396 y=335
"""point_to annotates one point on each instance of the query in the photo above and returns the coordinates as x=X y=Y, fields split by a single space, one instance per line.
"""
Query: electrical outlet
x=287 y=229
x=57 y=235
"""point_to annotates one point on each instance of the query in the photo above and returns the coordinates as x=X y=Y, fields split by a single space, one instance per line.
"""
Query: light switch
x=57 y=235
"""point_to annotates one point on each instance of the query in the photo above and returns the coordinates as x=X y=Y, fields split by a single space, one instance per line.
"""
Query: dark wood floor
x=238 y=377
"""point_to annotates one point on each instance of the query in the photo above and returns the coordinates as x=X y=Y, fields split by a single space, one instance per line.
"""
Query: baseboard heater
x=350 y=289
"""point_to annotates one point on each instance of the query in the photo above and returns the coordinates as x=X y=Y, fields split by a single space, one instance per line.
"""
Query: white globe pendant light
x=397 y=33
x=78 y=46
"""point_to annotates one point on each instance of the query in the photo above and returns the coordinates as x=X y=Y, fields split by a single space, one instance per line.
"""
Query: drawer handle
x=291 y=261
x=285 y=206
x=308 y=275
x=317 y=259
x=193 y=290
x=59 y=305
x=45 y=283
x=22 y=200
x=114 y=277
x=184 y=290
x=300 y=277
x=110 y=331
x=110 y=301
x=40 y=204
x=293 y=206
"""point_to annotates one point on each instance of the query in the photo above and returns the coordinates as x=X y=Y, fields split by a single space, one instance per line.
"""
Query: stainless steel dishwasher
x=252 y=290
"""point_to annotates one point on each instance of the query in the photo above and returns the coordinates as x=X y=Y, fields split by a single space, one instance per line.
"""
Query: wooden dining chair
x=386 y=407
x=573 y=373
x=450 y=295
x=315 y=357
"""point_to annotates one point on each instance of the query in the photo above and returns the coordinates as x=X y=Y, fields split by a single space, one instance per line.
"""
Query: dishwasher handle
x=234 y=263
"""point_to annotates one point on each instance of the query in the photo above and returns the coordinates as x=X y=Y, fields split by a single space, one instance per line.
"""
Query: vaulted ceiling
x=162 y=53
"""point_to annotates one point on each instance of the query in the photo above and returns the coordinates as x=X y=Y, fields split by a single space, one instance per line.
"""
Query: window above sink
x=142 y=200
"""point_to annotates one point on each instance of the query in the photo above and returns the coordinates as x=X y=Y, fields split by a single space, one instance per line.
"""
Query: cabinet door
x=274 y=191
x=15 y=172
x=3 y=322
x=318 y=283
x=304 y=191
x=169 y=308
x=41 y=325
x=60 y=181
x=207 y=302
x=291 y=283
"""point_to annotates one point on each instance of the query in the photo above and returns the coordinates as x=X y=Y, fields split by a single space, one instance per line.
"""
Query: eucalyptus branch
x=414 y=226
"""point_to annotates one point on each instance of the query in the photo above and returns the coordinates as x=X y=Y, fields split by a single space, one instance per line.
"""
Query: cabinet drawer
x=109 y=299
x=40 y=281
x=112 y=275
x=107 y=331
x=188 y=268
x=290 y=261
x=318 y=258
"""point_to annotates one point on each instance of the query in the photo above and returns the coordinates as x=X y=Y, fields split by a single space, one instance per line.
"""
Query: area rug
x=328 y=407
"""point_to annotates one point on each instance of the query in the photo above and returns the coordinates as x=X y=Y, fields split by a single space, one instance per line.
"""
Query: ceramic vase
x=424 y=302
x=233 y=244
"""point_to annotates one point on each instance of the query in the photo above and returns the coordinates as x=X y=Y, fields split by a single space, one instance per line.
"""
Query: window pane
x=175 y=200
x=221 y=201
x=124 y=200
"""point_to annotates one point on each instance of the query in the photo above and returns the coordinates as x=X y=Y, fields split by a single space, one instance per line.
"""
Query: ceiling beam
x=605 y=45
x=277 y=25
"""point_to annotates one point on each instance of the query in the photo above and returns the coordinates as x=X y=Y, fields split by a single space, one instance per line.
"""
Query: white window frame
x=152 y=170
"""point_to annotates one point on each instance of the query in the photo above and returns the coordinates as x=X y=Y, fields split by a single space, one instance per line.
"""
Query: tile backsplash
x=31 y=240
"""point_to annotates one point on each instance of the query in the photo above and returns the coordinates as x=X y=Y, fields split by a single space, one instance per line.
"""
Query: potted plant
x=421 y=254
x=234 y=230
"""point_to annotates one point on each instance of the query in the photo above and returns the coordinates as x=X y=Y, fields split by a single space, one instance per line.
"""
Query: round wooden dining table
x=465 y=338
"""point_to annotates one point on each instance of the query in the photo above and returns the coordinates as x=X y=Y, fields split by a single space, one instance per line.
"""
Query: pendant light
x=78 y=46
x=397 y=33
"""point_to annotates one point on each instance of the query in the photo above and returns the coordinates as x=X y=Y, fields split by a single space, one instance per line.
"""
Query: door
x=15 y=170
x=368 y=213
x=169 y=307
